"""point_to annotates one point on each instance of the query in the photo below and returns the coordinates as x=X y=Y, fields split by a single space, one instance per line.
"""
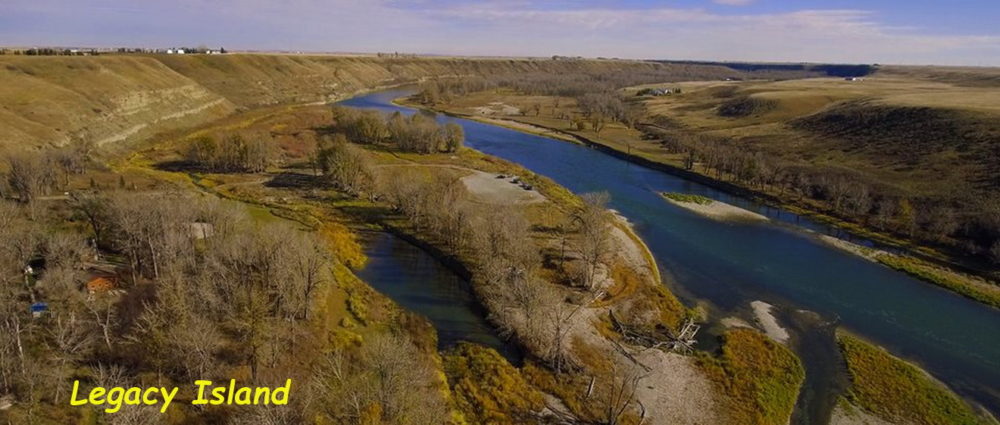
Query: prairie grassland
x=769 y=130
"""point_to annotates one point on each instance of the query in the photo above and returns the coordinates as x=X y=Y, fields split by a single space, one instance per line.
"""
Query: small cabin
x=100 y=284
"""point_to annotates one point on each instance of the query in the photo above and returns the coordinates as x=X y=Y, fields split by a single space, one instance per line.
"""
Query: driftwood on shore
x=684 y=341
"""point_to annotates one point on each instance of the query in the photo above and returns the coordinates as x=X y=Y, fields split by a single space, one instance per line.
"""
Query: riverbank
x=968 y=286
x=898 y=392
x=928 y=257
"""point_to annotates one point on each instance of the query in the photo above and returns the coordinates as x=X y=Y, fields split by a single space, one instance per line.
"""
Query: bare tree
x=559 y=320
x=347 y=166
x=243 y=151
x=308 y=264
x=379 y=382
x=618 y=395
x=454 y=137
x=71 y=340
x=594 y=222
x=29 y=175
x=103 y=308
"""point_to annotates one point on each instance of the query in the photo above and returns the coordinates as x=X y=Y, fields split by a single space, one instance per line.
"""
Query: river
x=726 y=265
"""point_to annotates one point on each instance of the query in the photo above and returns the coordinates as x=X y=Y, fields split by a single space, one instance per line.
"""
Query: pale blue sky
x=962 y=32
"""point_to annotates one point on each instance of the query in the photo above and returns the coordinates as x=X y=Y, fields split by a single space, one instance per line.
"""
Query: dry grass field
x=945 y=135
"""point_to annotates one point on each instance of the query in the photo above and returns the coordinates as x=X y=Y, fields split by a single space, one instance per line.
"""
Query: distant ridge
x=830 y=70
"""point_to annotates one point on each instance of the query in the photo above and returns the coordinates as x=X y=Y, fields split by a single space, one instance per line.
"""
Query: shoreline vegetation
x=922 y=262
x=968 y=286
x=896 y=391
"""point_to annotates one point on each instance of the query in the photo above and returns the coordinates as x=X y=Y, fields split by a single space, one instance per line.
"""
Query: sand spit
x=767 y=321
x=719 y=210
x=846 y=414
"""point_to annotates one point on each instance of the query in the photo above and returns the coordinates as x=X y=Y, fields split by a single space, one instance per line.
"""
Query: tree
x=618 y=395
x=347 y=166
x=205 y=151
x=454 y=137
x=151 y=230
x=379 y=384
x=310 y=265
x=597 y=122
x=69 y=160
x=255 y=153
x=370 y=128
x=29 y=176
x=102 y=307
x=594 y=222
x=558 y=319
x=95 y=210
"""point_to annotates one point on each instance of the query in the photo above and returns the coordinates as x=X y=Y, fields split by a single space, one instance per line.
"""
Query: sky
x=943 y=32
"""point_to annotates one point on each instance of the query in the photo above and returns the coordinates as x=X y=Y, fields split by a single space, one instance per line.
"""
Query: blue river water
x=727 y=265
x=420 y=283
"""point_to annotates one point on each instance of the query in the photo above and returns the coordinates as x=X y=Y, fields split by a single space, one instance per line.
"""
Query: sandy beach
x=719 y=210
x=767 y=321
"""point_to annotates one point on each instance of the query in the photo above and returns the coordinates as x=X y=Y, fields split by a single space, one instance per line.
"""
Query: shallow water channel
x=419 y=282
x=725 y=266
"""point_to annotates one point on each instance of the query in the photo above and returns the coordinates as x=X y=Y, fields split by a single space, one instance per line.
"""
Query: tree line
x=970 y=225
x=418 y=133
x=248 y=152
x=33 y=174
x=596 y=96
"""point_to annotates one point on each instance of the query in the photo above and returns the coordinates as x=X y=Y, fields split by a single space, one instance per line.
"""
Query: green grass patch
x=759 y=377
x=684 y=197
x=897 y=391
x=979 y=290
